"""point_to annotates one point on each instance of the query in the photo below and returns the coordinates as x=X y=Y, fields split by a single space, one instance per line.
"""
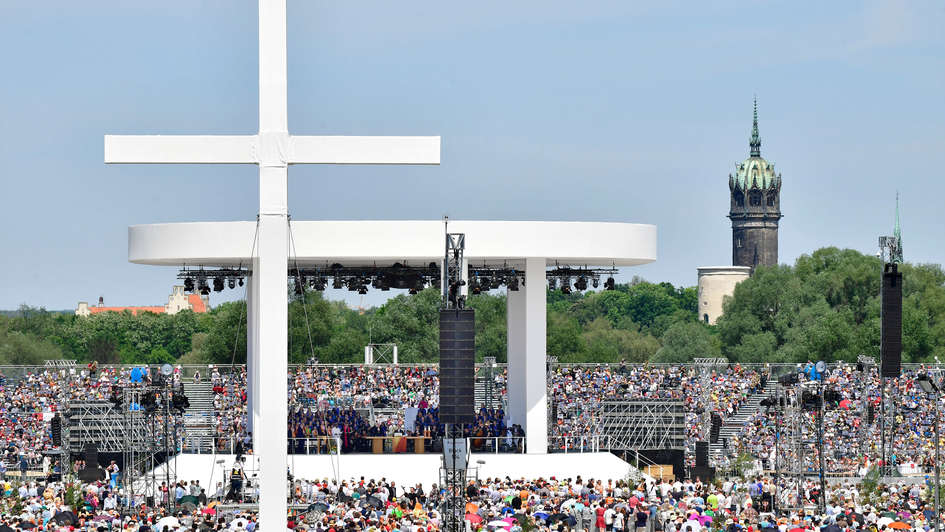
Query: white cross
x=273 y=149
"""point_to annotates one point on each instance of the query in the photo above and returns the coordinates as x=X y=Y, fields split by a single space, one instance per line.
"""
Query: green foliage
x=825 y=307
x=684 y=341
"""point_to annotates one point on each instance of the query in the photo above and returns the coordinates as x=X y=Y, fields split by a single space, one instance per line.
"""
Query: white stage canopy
x=413 y=243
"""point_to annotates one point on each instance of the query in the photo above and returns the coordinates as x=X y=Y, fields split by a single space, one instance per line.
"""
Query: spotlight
x=581 y=283
x=417 y=286
x=609 y=284
x=475 y=287
x=513 y=284
x=566 y=286
x=318 y=283
x=552 y=283
x=241 y=281
x=189 y=284
x=231 y=282
x=217 y=284
x=362 y=290
x=595 y=282
x=299 y=289
x=202 y=287
x=336 y=282
x=383 y=283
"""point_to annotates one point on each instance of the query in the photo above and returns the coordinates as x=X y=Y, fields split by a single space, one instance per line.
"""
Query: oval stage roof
x=413 y=243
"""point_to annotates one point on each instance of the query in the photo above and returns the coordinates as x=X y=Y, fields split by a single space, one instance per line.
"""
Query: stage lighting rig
x=566 y=285
x=581 y=283
x=200 y=279
x=492 y=277
x=582 y=277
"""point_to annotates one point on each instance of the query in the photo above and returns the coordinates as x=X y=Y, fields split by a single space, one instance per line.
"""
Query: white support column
x=527 y=325
x=271 y=359
x=515 y=351
x=536 y=325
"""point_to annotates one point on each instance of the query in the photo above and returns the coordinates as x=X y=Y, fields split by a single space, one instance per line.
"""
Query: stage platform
x=408 y=470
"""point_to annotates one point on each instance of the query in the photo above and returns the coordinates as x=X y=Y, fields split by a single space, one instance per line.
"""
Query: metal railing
x=313 y=445
x=590 y=443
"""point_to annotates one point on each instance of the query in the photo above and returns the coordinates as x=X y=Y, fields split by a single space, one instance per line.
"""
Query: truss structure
x=99 y=423
x=124 y=427
x=638 y=425
x=140 y=447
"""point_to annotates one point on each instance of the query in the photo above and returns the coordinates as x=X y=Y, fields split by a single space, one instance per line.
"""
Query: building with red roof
x=176 y=302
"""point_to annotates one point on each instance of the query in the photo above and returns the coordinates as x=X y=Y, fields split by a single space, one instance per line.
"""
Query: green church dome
x=755 y=171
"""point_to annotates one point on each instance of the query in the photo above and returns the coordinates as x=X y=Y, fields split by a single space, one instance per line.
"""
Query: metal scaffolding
x=126 y=427
x=637 y=425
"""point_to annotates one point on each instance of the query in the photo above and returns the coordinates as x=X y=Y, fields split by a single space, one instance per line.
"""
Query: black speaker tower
x=891 y=335
x=457 y=366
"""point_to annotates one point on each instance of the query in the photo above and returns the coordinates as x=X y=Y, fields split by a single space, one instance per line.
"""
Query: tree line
x=824 y=307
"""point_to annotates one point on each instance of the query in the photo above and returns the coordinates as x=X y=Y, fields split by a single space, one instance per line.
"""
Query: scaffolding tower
x=637 y=425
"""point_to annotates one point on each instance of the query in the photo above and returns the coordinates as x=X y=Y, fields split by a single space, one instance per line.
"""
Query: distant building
x=176 y=302
x=715 y=283
x=755 y=211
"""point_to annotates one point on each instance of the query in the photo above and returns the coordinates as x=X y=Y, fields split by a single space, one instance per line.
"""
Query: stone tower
x=755 y=206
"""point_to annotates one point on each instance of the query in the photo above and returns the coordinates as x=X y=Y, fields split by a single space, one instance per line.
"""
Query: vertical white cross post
x=273 y=149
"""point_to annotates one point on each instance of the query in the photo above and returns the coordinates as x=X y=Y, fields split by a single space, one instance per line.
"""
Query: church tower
x=755 y=206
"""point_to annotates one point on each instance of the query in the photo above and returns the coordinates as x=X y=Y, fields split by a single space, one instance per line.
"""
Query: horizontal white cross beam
x=270 y=149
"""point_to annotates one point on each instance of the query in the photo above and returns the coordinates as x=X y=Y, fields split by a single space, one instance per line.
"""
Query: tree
x=685 y=341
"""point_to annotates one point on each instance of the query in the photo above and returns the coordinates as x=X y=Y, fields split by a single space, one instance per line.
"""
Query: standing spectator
x=24 y=465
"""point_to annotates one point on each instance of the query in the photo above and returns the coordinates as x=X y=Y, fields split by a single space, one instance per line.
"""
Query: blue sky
x=616 y=111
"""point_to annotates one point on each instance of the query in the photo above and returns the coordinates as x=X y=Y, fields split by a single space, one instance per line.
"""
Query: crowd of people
x=639 y=504
x=343 y=401
x=852 y=424
x=578 y=391
x=357 y=402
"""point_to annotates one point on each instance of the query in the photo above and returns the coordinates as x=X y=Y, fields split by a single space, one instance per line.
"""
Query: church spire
x=755 y=142
x=896 y=254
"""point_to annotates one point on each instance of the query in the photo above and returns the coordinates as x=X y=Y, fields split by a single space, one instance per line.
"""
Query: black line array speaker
x=91 y=455
x=702 y=454
x=891 y=331
x=55 y=426
x=716 y=428
x=457 y=366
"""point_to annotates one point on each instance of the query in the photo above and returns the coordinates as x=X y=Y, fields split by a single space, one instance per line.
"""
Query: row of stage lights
x=398 y=276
